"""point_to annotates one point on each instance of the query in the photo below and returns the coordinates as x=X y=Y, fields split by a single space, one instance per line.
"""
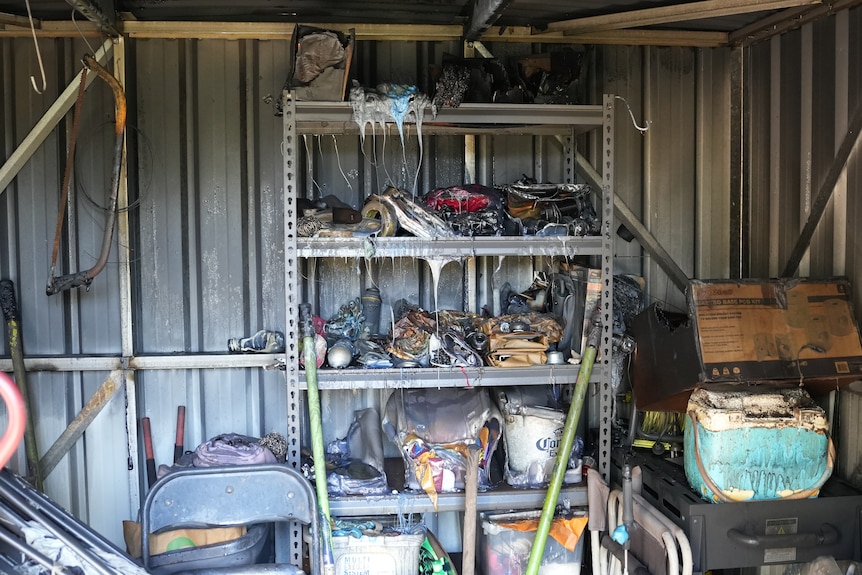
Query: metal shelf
x=498 y=499
x=455 y=247
x=430 y=377
x=337 y=118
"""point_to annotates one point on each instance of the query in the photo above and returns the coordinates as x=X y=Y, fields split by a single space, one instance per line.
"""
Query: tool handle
x=7 y=300
x=181 y=432
x=148 y=451
x=67 y=282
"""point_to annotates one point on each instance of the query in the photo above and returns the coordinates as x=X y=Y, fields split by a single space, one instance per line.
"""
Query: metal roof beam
x=104 y=18
x=631 y=37
x=787 y=20
x=485 y=13
x=670 y=14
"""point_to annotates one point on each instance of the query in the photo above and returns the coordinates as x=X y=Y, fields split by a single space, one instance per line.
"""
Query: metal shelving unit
x=395 y=378
x=319 y=118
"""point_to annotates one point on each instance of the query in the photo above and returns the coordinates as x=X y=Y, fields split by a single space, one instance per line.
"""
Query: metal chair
x=228 y=496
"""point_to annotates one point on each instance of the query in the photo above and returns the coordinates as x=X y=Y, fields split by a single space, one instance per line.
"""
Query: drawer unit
x=753 y=533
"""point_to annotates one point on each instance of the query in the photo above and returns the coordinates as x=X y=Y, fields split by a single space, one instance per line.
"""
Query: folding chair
x=249 y=495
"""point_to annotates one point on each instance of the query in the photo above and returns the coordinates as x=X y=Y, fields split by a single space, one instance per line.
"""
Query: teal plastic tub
x=756 y=442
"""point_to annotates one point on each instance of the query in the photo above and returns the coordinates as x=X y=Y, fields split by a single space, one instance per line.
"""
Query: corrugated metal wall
x=675 y=175
x=804 y=88
x=206 y=252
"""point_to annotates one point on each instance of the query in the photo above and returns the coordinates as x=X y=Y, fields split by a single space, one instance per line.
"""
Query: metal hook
x=38 y=54
x=640 y=129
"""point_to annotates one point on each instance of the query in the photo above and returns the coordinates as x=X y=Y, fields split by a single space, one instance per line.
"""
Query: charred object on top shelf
x=320 y=62
x=545 y=78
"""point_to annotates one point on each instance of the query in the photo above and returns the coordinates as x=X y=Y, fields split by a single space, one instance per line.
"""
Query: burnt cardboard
x=331 y=84
x=747 y=331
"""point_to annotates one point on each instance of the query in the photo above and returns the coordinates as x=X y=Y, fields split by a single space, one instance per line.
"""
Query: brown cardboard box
x=331 y=83
x=160 y=542
x=747 y=331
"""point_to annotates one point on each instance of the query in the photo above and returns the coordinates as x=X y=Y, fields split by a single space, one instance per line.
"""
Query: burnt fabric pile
x=546 y=78
x=552 y=209
x=224 y=449
x=522 y=208
x=471 y=209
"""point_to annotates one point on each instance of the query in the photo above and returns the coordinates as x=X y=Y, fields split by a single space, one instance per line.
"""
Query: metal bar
x=499 y=498
x=825 y=193
x=125 y=276
x=584 y=117
x=629 y=37
x=110 y=363
x=778 y=24
x=47 y=123
x=76 y=428
x=93 y=11
x=676 y=13
x=628 y=218
x=484 y=14
x=738 y=164
x=460 y=247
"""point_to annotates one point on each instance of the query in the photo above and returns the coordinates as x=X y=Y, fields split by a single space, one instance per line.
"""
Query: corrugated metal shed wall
x=804 y=88
x=675 y=175
x=206 y=254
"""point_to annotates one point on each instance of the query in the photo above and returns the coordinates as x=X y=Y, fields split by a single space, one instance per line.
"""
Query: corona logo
x=549 y=444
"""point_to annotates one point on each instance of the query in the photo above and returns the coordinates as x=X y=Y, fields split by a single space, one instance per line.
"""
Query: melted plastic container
x=758 y=442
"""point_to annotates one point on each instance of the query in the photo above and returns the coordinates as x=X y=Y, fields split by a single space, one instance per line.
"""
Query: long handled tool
x=9 y=305
x=148 y=451
x=471 y=489
x=306 y=327
x=587 y=360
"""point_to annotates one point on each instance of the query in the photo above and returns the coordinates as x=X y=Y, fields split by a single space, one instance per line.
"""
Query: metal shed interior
x=748 y=162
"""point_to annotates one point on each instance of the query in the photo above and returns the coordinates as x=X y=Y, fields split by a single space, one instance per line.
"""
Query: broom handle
x=566 y=443
x=316 y=425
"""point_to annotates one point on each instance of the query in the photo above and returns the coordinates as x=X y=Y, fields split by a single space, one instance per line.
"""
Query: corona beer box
x=741 y=331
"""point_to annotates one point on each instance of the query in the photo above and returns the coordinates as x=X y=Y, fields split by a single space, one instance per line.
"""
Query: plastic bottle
x=371 y=303
x=264 y=341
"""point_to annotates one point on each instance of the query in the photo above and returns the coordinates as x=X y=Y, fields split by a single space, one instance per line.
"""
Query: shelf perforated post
x=292 y=337
x=607 y=302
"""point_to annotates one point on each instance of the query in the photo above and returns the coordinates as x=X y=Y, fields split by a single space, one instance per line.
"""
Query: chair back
x=234 y=495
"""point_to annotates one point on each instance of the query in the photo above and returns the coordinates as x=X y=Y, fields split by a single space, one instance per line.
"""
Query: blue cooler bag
x=756 y=443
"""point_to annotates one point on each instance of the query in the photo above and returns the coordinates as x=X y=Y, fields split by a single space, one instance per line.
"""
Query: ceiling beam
x=13 y=20
x=634 y=37
x=284 y=30
x=104 y=18
x=484 y=14
x=787 y=20
x=670 y=14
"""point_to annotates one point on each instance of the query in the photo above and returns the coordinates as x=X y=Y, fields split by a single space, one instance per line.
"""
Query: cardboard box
x=330 y=82
x=747 y=331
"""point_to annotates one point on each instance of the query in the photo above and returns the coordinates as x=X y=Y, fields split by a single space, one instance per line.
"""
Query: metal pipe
x=587 y=360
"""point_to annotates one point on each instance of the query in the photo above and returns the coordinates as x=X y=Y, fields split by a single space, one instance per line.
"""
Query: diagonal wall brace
x=48 y=122
x=825 y=193
x=627 y=217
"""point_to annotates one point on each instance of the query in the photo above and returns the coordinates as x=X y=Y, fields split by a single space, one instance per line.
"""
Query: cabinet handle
x=827 y=535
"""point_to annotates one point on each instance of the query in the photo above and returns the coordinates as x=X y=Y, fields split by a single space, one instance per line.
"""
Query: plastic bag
x=433 y=429
x=358 y=458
